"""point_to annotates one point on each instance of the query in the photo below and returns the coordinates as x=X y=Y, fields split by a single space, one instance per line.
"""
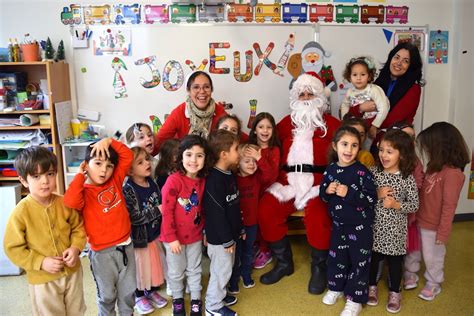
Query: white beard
x=306 y=117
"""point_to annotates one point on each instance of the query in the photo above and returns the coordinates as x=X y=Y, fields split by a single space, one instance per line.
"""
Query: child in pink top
x=182 y=226
x=444 y=154
x=264 y=134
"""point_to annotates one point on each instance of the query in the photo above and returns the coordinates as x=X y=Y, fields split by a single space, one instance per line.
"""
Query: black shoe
x=233 y=289
x=229 y=300
x=281 y=250
x=319 y=269
x=223 y=311
x=196 y=308
x=178 y=307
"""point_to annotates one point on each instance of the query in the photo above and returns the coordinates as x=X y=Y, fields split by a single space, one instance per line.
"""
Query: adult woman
x=400 y=78
x=197 y=115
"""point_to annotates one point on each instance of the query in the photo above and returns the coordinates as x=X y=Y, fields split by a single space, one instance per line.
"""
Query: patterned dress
x=390 y=225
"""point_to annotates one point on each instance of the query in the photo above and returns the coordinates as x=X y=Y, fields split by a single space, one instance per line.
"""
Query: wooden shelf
x=23 y=63
x=7 y=128
x=26 y=112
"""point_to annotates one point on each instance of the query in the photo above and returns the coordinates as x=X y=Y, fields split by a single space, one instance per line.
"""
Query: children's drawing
x=212 y=55
x=156 y=123
x=119 y=84
x=438 y=47
x=170 y=65
x=263 y=57
x=193 y=66
x=415 y=37
x=155 y=74
x=289 y=46
x=248 y=66
x=115 y=41
x=253 y=112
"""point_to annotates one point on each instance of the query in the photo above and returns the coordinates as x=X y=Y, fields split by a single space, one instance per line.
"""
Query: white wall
x=447 y=93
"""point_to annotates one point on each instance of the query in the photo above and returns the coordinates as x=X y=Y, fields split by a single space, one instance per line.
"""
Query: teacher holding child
x=198 y=115
x=400 y=79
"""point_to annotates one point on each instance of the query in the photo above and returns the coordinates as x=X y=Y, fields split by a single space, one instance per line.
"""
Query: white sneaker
x=331 y=297
x=351 y=309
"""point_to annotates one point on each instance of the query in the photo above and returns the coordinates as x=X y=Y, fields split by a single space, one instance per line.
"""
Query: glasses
x=197 y=88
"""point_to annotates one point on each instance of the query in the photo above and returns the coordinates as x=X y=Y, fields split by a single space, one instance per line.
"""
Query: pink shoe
x=263 y=258
x=157 y=300
x=143 y=305
x=429 y=292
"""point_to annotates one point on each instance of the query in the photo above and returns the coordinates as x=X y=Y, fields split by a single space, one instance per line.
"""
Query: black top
x=221 y=208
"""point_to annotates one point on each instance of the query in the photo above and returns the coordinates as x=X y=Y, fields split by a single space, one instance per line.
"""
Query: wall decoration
x=240 y=12
x=415 y=37
x=470 y=193
x=372 y=13
x=395 y=14
x=248 y=66
x=182 y=13
x=115 y=41
x=96 y=14
x=170 y=66
x=212 y=55
x=289 y=46
x=201 y=67
x=347 y=13
x=438 y=53
x=155 y=74
x=346 y=1
x=72 y=15
x=388 y=34
x=211 y=12
x=155 y=123
x=295 y=12
x=126 y=13
x=268 y=12
x=119 y=84
x=263 y=57
x=321 y=13
x=155 y=13
x=253 y=112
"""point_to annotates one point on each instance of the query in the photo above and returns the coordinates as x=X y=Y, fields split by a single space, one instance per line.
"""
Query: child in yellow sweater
x=45 y=238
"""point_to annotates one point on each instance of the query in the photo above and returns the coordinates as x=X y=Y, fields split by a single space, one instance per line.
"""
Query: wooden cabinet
x=57 y=76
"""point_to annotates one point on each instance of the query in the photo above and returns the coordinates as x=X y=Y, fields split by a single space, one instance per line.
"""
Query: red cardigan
x=177 y=124
x=405 y=109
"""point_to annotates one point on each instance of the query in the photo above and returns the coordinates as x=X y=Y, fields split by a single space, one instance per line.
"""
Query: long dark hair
x=404 y=144
x=442 y=144
x=407 y=80
x=341 y=131
x=274 y=140
x=168 y=151
x=189 y=142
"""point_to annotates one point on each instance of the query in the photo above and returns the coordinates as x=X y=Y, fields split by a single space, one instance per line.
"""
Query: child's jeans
x=187 y=263
x=114 y=273
x=244 y=257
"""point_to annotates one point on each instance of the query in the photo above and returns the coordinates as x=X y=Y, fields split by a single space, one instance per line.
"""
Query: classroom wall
x=447 y=93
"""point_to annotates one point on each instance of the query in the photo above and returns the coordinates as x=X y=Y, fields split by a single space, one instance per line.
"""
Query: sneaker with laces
x=394 y=302
x=223 y=311
x=248 y=283
x=178 y=307
x=373 y=299
x=410 y=281
x=429 y=292
x=157 y=300
x=196 y=308
x=143 y=305
x=229 y=300
x=263 y=258
x=330 y=298
x=351 y=308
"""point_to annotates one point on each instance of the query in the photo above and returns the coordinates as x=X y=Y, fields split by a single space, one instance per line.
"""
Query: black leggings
x=395 y=267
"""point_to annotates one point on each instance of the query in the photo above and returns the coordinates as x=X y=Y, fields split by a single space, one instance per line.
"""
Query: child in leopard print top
x=397 y=196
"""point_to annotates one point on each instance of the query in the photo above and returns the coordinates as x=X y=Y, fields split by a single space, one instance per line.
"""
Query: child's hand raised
x=331 y=189
x=101 y=148
x=52 y=264
x=253 y=153
x=82 y=168
x=175 y=247
x=341 y=190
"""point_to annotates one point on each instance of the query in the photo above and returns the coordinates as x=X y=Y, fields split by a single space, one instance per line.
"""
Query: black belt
x=305 y=168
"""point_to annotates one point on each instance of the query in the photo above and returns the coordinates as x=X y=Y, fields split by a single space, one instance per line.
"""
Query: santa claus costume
x=306 y=136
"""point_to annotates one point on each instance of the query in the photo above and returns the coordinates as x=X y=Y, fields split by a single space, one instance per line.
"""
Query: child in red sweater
x=96 y=192
x=253 y=176
x=444 y=154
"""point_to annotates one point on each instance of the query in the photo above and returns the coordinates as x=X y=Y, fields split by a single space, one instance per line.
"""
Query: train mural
x=234 y=12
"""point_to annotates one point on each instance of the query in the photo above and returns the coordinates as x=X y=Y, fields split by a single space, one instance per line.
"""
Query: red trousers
x=273 y=216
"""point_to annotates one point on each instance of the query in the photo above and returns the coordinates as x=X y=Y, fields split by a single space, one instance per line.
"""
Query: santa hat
x=315 y=46
x=313 y=80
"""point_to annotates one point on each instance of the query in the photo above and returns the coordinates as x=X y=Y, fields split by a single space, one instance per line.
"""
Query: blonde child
x=444 y=154
x=167 y=162
x=397 y=196
x=360 y=72
x=264 y=134
x=364 y=156
x=141 y=135
x=253 y=175
x=349 y=190
x=96 y=192
x=143 y=199
x=45 y=238
x=221 y=204
x=182 y=227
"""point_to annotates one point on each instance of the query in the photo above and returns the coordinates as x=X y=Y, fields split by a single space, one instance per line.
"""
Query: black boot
x=281 y=251
x=318 y=282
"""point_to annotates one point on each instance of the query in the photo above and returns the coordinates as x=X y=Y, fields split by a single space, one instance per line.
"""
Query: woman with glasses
x=198 y=115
